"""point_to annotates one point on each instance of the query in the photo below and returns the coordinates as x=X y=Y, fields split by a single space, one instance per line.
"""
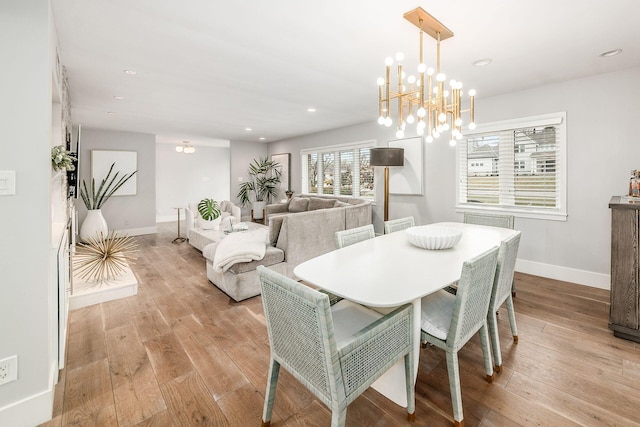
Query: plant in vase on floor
x=264 y=178
x=209 y=213
x=94 y=198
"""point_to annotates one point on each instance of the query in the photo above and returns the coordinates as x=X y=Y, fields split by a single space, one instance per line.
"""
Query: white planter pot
x=210 y=225
x=258 y=207
x=93 y=225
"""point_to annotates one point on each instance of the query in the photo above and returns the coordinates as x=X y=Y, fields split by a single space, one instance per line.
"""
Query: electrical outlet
x=8 y=369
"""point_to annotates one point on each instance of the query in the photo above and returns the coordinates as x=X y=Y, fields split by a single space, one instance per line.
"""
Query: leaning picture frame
x=284 y=160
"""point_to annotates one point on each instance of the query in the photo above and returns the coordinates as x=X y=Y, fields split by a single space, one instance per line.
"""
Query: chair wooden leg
x=411 y=417
x=515 y=339
x=458 y=423
x=270 y=395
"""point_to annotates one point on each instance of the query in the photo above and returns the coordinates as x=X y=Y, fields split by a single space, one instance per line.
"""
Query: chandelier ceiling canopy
x=426 y=100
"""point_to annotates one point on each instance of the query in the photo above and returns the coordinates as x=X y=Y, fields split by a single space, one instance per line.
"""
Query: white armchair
x=191 y=214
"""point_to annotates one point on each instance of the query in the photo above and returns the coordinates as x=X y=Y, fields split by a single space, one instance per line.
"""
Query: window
x=342 y=170
x=516 y=166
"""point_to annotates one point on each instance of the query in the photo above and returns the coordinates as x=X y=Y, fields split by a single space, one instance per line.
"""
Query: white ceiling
x=210 y=69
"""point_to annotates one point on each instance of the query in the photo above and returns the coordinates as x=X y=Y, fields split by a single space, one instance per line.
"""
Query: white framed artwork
x=126 y=162
x=407 y=179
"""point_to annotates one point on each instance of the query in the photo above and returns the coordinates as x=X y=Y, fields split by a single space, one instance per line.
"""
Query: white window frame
x=335 y=149
x=559 y=213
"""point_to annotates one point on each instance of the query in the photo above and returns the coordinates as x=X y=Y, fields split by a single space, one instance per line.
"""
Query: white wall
x=602 y=149
x=188 y=178
x=133 y=214
x=25 y=218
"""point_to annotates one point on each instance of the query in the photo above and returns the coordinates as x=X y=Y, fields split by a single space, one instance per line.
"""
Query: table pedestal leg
x=178 y=239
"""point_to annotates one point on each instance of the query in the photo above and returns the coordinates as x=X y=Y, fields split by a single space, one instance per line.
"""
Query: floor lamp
x=387 y=157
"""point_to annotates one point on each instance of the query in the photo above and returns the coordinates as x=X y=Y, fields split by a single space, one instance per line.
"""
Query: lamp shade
x=387 y=156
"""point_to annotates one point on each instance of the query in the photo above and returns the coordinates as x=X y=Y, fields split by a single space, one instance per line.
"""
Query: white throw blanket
x=244 y=246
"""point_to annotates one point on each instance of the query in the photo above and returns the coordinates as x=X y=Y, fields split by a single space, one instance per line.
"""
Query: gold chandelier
x=435 y=108
x=185 y=148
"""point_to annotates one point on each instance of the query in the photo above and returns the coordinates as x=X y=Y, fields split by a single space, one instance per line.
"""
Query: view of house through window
x=338 y=170
x=513 y=166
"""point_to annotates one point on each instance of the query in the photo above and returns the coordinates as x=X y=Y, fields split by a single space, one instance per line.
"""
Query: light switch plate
x=7 y=183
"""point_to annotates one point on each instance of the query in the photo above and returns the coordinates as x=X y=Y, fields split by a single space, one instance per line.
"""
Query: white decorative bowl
x=433 y=236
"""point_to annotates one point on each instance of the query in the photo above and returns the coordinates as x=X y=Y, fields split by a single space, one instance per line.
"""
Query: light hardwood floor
x=182 y=353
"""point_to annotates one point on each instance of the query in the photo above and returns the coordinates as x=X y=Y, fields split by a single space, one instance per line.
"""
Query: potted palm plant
x=93 y=198
x=209 y=213
x=264 y=178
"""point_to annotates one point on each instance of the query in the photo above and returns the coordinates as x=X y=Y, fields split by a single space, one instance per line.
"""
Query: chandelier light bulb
x=421 y=125
x=472 y=92
x=420 y=131
x=458 y=121
x=411 y=79
x=436 y=134
x=422 y=68
x=179 y=148
x=453 y=83
x=459 y=85
x=441 y=77
x=429 y=139
x=430 y=71
x=458 y=136
x=435 y=90
x=381 y=120
x=411 y=119
x=472 y=126
x=445 y=93
x=422 y=112
x=388 y=61
x=388 y=122
x=400 y=134
x=445 y=126
x=452 y=142
x=380 y=81
x=442 y=117
x=399 y=56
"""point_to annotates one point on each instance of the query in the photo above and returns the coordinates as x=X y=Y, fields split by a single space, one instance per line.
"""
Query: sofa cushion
x=298 y=204
x=272 y=256
x=318 y=203
x=275 y=224
x=340 y=204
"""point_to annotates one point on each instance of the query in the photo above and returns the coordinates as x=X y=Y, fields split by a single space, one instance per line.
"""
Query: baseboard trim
x=33 y=410
x=139 y=231
x=566 y=274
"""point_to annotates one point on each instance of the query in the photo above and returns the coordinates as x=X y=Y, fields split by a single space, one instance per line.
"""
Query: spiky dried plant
x=104 y=258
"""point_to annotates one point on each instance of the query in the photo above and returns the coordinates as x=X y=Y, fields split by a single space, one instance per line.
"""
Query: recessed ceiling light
x=248 y=129
x=262 y=138
x=609 y=53
x=311 y=110
x=119 y=98
x=111 y=113
x=130 y=72
x=482 y=62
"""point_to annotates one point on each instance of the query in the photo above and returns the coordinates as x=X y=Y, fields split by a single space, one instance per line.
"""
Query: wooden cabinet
x=625 y=255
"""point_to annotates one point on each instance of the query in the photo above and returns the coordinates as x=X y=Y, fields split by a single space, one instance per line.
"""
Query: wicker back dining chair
x=493 y=220
x=501 y=293
x=398 y=224
x=449 y=321
x=354 y=235
x=336 y=351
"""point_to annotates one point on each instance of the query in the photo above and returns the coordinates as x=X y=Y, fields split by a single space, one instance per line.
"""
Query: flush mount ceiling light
x=610 y=53
x=482 y=62
x=437 y=109
x=185 y=148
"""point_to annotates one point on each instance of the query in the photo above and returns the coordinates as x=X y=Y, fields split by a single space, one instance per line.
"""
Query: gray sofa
x=306 y=231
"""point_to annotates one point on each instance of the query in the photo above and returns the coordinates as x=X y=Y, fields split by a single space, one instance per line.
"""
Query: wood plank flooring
x=182 y=353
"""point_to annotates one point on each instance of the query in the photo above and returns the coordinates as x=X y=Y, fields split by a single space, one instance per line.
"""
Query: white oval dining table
x=388 y=271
